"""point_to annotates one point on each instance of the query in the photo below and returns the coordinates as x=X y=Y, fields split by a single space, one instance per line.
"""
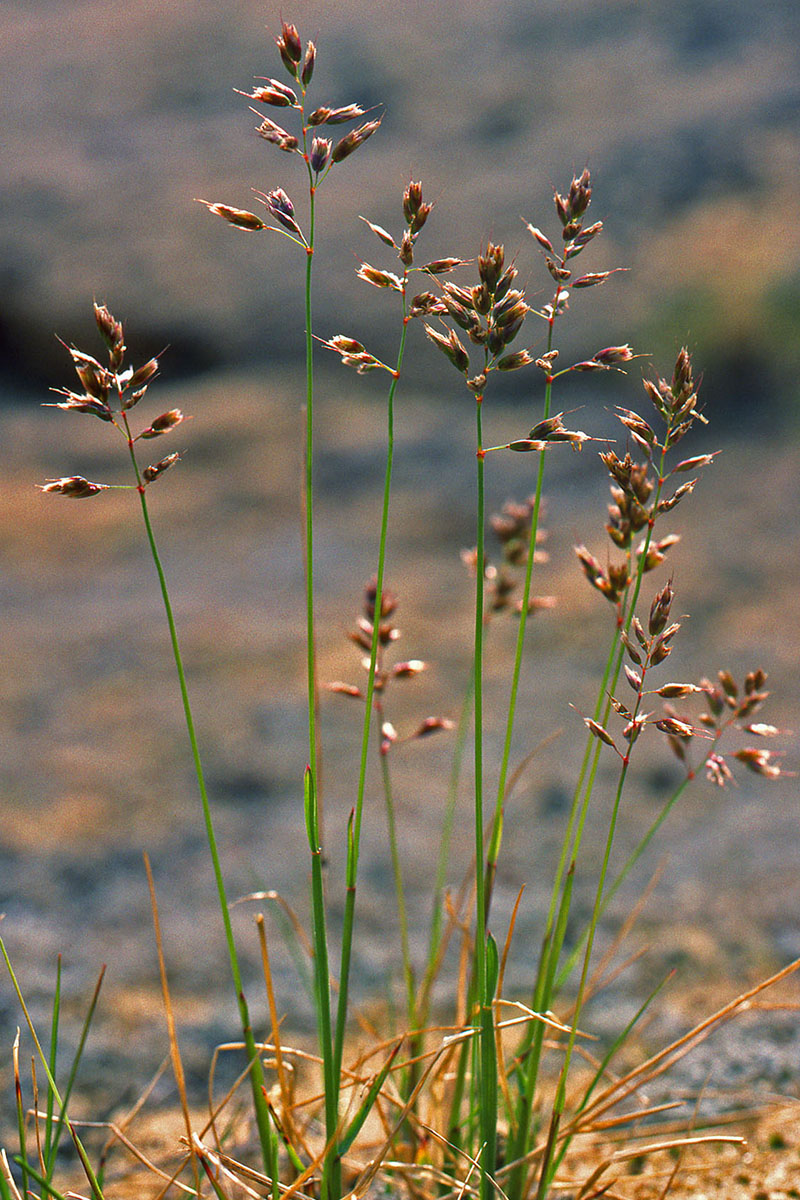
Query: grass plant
x=461 y=1099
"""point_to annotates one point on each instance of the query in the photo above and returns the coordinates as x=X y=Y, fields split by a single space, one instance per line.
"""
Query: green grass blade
x=322 y=986
x=50 y=1105
x=59 y=1127
x=20 y=1107
x=44 y=1183
x=364 y=1109
x=97 y=1191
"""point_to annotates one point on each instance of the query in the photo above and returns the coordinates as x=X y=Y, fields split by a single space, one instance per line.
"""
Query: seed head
x=432 y=725
x=441 y=266
x=512 y=362
x=111 y=333
x=290 y=47
x=759 y=761
x=451 y=347
x=541 y=238
x=276 y=135
x=406 y=251
x=95 y=379
x=73 y=486
x=352 y=140
x=347 y=112
x=344 y=345
x=152 y=472
x=412 y=199
x=163 y=424
x=275 y=93
x=320 y=153
x=591 y=278
x=308 y=63
x=235 y=216
x=599 y=732
x=414 y=210
x=682 y=375
x=490 y=266
x=612 y=355
x=378 y=278
x=281 y=208
x=426 y=304
x=659 y=609
x=389 y=600
x=572 y=208
x=717 y=770
x=143 y=375
x=754 y=681
x=82 y=404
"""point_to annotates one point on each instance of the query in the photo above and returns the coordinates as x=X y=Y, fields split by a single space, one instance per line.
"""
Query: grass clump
x=487 y=1094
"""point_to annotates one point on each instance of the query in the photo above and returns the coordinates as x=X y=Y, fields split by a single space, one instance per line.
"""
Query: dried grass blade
x=8 y=1186
x=673 y=1144
x=20 y=1113
x=174 y=1048
x=658 y=1063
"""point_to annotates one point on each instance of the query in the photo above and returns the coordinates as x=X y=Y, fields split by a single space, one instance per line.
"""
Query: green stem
x=397 y=871
x=331 y=1171
x=352 y=870
x=548 y=1161
x=496 y=835
x=445 y=839
x=547 y=979
x=308 y=504
x=633 y=858
x=265 y=1129
x=487 y=1071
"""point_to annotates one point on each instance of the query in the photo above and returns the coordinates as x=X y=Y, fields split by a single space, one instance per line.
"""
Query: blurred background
x=116 y=116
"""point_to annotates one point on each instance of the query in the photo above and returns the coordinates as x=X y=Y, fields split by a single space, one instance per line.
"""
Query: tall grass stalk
x=377 y=618
x=266 y=1131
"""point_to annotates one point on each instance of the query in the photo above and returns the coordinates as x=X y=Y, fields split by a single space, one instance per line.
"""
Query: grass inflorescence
x=487 y=1093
